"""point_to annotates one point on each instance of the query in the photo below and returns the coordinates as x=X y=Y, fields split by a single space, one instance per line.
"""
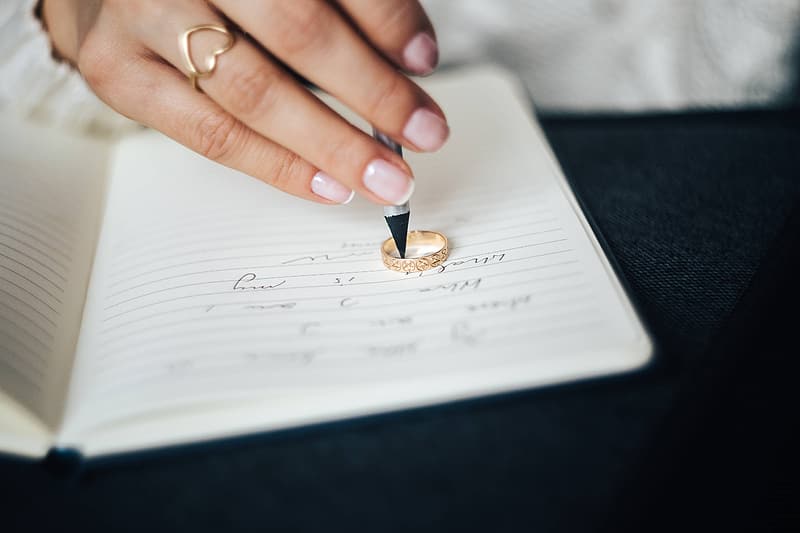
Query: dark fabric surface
x=697 y=211
x=689 y=205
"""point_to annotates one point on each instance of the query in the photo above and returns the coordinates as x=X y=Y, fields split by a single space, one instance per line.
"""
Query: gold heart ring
x=184 y=42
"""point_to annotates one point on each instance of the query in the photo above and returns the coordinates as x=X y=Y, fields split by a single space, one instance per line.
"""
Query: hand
x=252 y=114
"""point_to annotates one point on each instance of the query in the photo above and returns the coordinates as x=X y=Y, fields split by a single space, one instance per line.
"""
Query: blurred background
x=579 y=55
x=574 y=55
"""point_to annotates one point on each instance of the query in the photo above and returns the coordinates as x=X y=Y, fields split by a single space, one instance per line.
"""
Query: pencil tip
x=398 y=225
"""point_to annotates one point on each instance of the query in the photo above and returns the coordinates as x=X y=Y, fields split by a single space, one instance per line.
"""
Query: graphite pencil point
x=398 y=225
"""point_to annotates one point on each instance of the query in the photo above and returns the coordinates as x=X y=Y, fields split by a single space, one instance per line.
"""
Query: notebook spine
x=64 y=463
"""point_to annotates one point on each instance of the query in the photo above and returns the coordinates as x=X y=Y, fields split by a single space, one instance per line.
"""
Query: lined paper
x=209 y=284
x=49 y=215
x=319 y=299
x=34 y=262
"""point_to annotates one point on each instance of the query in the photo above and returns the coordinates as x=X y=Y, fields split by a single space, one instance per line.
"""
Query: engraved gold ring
x=185 y=45
x=424 y=250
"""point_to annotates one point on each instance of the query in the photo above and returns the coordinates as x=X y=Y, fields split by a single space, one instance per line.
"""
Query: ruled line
x=40 y=252
x=28 y=305
x=10 y=337
x=300 y=255
x=338 y=272
x=366 y=295
x=14 y=360
x=348 y=255
x=20 y=252
x=259 y=267
x=117 y=272
x=16 y=314
x=218 y=293
x=224 y=234
x=331 y=310
x=23 y=361
x=194 y=220
x=219 y=362
x=59 y=288
x=29 y=293
x=421 y=332
x=33 y=384
x=33 y=223
x=34 y=238
x=310 y=314
x=50 y=294
x=35 y=206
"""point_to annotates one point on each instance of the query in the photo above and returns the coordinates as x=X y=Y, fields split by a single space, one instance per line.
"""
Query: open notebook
x=149 y=297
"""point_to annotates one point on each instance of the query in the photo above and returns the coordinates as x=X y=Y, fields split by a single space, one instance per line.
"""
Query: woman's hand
x=252 y=115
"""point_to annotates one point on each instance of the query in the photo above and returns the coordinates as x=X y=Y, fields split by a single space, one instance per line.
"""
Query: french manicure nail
x=330 y=189
x=388 y=182
x=426 y=130
x=421 y=54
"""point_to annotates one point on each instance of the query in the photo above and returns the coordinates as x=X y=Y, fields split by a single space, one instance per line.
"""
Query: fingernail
x=421 y=54
x=426 y=130
x=388 y=182
x=330 y=189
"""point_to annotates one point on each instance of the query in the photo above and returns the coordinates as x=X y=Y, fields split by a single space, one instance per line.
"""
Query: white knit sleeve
x=35 y=85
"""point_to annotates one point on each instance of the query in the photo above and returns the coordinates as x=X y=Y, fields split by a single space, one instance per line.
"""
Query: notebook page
x=210 y=285
x=52 y=188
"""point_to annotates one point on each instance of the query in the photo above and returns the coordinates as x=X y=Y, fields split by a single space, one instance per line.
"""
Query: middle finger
x=316 y=41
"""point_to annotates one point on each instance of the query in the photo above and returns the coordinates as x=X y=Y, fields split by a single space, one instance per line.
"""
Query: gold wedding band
x=428 y=249
x=184 y=43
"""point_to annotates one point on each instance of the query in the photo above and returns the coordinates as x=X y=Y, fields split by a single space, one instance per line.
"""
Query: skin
x=251 y=113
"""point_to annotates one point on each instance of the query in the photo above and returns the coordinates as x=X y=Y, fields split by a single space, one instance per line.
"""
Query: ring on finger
x=184 y=44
